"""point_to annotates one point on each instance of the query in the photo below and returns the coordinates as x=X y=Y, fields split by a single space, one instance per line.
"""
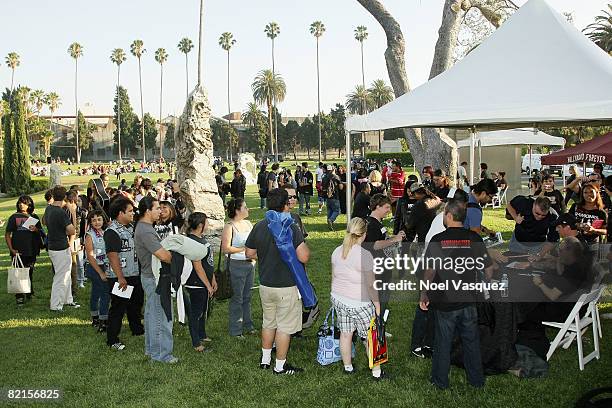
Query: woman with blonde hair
x=376 y=184
x=352 y=291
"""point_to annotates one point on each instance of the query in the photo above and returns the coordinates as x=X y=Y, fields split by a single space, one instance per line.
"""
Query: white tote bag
x=18 y=280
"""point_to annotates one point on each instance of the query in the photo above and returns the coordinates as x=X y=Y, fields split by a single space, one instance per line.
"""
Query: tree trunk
x=144 y=147
x=270 y=126
x=76 y=106
x=161 y=95
x=119 y=114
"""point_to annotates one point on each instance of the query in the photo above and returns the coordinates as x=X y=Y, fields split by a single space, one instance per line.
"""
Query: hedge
x=404 y=157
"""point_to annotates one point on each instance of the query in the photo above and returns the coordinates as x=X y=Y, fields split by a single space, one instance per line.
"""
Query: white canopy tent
x=535 y=69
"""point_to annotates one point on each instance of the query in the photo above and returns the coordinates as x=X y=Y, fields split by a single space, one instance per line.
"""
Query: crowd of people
x=131 y=240
x=40 y=168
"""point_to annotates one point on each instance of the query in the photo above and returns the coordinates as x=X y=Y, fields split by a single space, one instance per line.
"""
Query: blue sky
x=41 y=30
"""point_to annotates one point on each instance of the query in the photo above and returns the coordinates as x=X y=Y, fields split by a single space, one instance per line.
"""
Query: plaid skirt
x=350 y=319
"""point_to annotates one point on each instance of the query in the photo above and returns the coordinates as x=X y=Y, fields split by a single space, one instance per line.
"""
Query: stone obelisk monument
x=194 y=152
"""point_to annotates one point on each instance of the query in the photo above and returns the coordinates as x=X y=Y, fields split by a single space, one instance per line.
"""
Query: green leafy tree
x=292 y=137
x=255 y=120
x=86 y=131
x=169 y=139
x=53 y=102
x=124 y=119
x=223 y=136
x=272 y=31
x=309 y=135
x=381 y=94
x=269 y=87
x=150 y=130
x=337 y=117
x=185 y=46
x=20 y=157
x=8 y=142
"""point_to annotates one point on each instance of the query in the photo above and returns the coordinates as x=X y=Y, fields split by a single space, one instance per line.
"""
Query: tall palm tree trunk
x=119 y=114
x=187 y=77
x=363 y=103
x=275 y=115
x=200 y=42
x=144 y=151
x=161 y=96
x=76 y=107
x=319 y=99
x=12 y=79
x=229 y=110
x=270 y=125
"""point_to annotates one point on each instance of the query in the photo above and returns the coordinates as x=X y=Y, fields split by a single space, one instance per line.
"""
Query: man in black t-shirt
x=59 y=228
x=262 y=184
x=280 y=300
x=534 y=232
x=305 y=188
x=331 y=187
x=463 y=260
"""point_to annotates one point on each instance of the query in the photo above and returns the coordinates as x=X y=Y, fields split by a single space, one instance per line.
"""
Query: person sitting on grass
x=95 y=269
x=353 y=296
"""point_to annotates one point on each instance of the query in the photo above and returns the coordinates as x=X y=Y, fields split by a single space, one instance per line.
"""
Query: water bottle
x=504 y=282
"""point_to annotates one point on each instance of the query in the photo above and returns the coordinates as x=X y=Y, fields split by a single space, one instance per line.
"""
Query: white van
x=536 y=163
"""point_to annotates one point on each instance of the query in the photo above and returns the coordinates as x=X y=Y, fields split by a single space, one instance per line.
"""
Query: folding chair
x=574 y=325
x=502 y=196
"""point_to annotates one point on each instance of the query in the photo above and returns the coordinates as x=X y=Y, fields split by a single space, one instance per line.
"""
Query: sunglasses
x=293 y=196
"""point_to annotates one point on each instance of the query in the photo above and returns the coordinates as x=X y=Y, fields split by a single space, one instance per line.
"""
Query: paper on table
x=29 y=222
x=124 y=294
x=518 y=265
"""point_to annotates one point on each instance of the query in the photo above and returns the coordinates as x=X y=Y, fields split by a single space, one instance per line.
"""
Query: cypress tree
x=7 y=130
x=21 y=147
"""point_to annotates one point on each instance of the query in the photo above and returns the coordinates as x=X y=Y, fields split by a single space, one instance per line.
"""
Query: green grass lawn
x=41 y=350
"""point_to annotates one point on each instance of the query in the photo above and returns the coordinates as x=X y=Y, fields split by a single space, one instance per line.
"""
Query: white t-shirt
x=437 y=226
x=320 y=174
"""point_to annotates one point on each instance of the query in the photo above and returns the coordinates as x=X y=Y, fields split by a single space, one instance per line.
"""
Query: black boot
x=95 y=321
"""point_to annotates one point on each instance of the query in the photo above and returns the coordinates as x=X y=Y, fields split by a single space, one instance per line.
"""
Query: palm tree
x=76 y=51
x=272 y=31
x=37 y=99
x=137 y=49
x=381 y=94
x=118 y=57
x=226 y=41
x=355 y=99
x=252 y=115
x=269 y=87
x=600 y=31
x=12 y=61
x=317 y=29
x=361 y=34
x=185 y=46
x=53 y=102
x=161 y=56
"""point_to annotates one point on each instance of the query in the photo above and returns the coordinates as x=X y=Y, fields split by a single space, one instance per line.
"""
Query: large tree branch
x=447 y=40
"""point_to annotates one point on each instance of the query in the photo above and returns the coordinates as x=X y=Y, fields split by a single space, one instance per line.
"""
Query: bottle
x=504 y=282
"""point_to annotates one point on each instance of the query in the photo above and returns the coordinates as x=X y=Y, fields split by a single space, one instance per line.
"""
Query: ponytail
x=355 y=230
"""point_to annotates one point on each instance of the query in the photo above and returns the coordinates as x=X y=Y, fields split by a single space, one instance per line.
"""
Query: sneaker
x=118 y=346
x=239 y=337
x=264 y=366
x=81 y=285
x=73 y=305
x=427 y=351
x=288 y=369
x=172 y=360
x=330 y=224
x=383 y=376
x=352 y=372
x=206 y=340
x=388 y=335
x=57 y=310
x=20 y=302
x=95 y=321
x=418 y=352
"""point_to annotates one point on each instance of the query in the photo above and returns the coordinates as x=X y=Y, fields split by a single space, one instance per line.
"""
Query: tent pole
x=472 y=134
x=480 y=151
x=349 y=182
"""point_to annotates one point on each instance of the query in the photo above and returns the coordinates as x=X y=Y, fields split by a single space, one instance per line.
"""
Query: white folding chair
x=502 y=196
x=574 y=325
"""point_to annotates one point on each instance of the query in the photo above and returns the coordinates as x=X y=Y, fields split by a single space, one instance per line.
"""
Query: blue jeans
x=198 y=306
x=100 y=298
x=465 y=322
x=262 y=202
x=158 y=330
x=333 y=209
x=241 y=275
x=304 y=199
x=80 y=269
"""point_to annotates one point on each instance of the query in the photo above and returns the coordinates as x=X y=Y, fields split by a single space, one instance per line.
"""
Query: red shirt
x=396 y=180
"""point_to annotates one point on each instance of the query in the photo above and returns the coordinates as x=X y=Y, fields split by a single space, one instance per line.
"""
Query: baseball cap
x=415 y=186
x=330 y=167
x=566 y=219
